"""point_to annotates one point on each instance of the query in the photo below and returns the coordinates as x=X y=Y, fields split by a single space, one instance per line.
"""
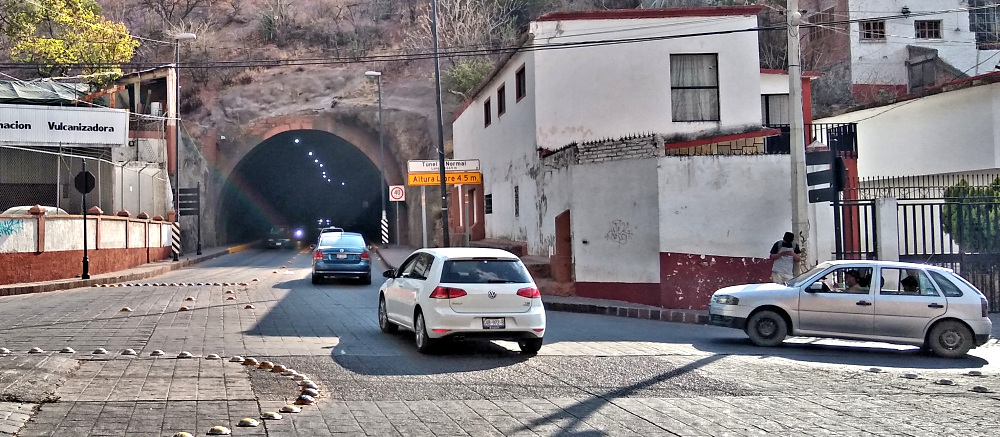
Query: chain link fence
x=44 y=176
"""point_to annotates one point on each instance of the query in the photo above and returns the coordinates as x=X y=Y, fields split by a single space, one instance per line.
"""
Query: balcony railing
x=840 y=137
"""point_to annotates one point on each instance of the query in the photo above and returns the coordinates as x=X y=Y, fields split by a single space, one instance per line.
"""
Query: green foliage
x=466 y=74
x=971 y=215
x=61 y=36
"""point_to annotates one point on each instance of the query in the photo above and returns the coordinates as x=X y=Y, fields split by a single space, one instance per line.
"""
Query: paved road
x=596 y=375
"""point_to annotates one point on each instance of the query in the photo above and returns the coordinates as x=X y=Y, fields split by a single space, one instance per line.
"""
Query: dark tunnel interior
x=296 y=179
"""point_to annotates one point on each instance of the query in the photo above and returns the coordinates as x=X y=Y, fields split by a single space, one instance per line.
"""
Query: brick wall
x=633 y=147
x=64 y=264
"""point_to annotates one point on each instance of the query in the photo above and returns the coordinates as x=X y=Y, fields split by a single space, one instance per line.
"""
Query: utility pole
x=797 y=142
x=445 y=240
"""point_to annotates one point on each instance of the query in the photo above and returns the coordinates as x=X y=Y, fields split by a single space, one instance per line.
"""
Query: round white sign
x=397 y=193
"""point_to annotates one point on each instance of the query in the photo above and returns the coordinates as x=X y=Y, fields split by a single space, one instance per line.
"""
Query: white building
x=892 y=48
x=643 y=167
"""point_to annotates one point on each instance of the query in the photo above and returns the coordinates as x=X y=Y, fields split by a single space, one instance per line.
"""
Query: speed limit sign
x=397 y=193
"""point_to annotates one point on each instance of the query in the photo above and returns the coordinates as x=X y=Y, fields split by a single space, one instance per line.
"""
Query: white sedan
x=460 y=293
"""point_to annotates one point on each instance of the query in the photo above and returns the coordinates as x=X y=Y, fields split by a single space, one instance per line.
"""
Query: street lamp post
x=177 y=133
x=384 y=224
x=440 y=125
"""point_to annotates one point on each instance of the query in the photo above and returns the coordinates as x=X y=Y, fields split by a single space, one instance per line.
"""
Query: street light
x=385 y=223
x=177 y=130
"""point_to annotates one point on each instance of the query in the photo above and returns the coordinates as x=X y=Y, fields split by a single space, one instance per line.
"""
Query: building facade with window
x=629 y=147
x=879 y=50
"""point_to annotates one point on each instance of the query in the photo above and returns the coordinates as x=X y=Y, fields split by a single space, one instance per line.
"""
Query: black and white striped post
x=385 y=228
x=175 y=236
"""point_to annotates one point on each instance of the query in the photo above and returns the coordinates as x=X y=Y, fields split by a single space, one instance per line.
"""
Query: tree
x=971 y=215
x=59 y=37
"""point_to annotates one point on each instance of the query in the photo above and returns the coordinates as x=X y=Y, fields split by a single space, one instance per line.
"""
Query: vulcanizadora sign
x=29 y=125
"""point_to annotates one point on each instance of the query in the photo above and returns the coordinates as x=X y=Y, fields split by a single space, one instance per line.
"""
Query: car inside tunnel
x=303 y=180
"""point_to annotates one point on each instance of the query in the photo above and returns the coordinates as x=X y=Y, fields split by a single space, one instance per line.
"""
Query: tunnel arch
x=232 y=153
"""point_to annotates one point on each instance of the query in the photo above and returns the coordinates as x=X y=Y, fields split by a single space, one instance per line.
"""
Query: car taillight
x=986 y=307
x=365 y=255
x=447 y=293
x=317 y=255
x=529 y=292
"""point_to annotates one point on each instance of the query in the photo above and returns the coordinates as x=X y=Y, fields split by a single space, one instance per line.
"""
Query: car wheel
x=383 y=318
x=366 y=279
x=530 y=345
x=316 y=279
x=950 y=339
x=767 y=328
x=425 y=344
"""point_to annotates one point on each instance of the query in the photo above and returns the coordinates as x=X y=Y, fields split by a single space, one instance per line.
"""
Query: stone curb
x=148 y=272
x=666 y=315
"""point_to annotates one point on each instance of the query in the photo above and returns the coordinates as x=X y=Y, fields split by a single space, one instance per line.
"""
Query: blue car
x=341 y=255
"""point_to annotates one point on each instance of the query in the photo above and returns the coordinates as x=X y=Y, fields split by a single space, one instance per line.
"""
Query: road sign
x=84 y=182
x=452 y=178
x=190 y=201
x=433 y=166
x=397 y=193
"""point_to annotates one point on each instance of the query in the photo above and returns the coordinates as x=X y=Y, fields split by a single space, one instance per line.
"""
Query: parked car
x=340 y=255
x=892 y=302
x=26 y=210
x=279 y=238
x=460 y=293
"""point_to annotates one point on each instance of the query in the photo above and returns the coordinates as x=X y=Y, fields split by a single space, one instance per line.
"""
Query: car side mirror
x=389 y=273
x=814 y=287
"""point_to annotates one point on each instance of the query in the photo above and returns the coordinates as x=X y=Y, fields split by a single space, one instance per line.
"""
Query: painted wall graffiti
x=8 y=228
x=619 y=232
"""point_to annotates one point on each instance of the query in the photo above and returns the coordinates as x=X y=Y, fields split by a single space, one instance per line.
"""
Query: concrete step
x=518 y=248
x=549 y=287
x=538 y=266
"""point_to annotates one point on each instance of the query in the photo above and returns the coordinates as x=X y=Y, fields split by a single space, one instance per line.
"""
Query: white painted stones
x=308 y=384
x=270 y=415
x=910 y=376
x=310 y=392
x=944 y=382
x=230 y=298
x=129 y=352
x=255 y=280
x=289 y=372
x=126 y=310
x=213 y=357
x=36 y=350
x=248 y=421
x=100 y=351
x=67 y=350
x=291 y=409
x=230 y=292
x=156 y=353
x=189 y=299
x=874 y=370
x=183 y=434
x=975 y=373
x=236 y=359
x=300 y=377
x=981 y=389
x=4 y=351
x=249 y=307
x=266 y=365
x=185 y=308
x=184 y=354
x=250 y=362
x=219 y=430
x=278 y=368
x=305 y=400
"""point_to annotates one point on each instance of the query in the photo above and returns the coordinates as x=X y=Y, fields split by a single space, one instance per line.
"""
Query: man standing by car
x=784 y=255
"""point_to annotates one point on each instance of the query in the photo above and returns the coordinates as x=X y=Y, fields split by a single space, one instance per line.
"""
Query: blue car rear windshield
x=484 y=272
x=342 y=240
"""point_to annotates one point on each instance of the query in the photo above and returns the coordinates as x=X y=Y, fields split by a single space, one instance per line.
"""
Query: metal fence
x=44 y=176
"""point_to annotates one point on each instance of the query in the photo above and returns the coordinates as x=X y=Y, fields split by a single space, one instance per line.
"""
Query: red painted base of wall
x=687 y=281
x=647 y=294
x=47 y=266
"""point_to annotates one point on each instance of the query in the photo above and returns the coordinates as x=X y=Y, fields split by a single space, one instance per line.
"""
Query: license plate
x=494 y=323
x=341 y=256
x=277 y=244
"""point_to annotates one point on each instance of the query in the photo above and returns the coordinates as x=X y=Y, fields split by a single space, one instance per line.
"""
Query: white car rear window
x=495 y=271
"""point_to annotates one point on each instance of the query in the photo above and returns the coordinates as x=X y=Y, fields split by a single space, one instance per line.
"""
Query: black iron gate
x=948 y=222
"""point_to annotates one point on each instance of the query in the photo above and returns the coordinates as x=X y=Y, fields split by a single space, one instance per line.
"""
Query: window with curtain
x=774 y=108
x=694 y=87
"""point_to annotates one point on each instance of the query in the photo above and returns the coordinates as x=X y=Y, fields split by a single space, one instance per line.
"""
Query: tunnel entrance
x=302 y=179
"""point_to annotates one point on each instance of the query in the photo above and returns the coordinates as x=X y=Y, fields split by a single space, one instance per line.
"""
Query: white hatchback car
x=459 y=293
x=892 y=302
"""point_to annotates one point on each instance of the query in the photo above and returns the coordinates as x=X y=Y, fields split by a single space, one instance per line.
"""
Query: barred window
x=927 y=29
x=872 y=30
